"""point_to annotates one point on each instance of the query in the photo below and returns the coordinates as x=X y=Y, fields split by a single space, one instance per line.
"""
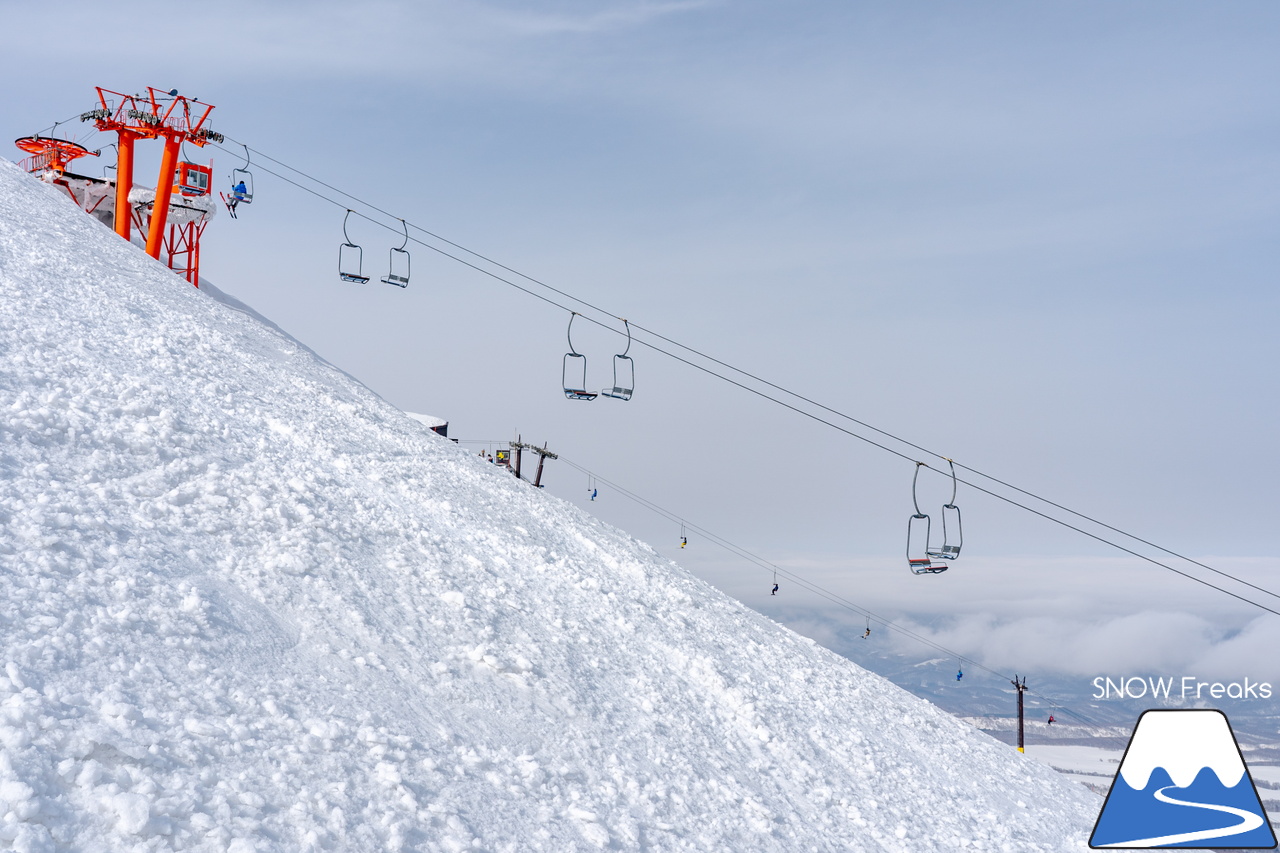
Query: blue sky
x=1039 y=239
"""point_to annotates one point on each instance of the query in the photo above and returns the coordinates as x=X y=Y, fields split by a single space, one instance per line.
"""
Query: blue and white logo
x=1183 y=783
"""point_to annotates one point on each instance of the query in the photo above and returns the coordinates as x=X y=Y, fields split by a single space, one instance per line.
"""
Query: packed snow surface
x=250 y=606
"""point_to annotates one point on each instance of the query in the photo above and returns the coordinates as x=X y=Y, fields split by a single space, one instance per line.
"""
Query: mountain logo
x=1183 y=783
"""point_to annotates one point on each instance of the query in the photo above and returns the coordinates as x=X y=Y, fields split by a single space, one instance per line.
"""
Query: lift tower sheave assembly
x=48 y=154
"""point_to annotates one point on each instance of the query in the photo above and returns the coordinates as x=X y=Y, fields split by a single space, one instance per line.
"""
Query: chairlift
x=575 y=387
x=960 y=669
x=624 y=372
x=242 y=181
x=919 y=557
x=398 y=265
x=684 y=540
x=108 y=166
x=350 y=258
x=952 y=535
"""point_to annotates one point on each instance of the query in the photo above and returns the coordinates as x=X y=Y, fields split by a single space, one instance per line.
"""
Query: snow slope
x=250 y=606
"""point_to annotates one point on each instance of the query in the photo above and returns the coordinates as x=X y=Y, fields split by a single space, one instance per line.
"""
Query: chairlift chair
x=952 y=534
x=398 y=265
x=920 y=558
x=624 y=372
x=240 y=176
x=573 y=371
x=350 y=258
x=952 y=537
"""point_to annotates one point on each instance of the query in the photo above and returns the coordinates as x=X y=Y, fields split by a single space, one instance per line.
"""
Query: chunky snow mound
x=249 y=606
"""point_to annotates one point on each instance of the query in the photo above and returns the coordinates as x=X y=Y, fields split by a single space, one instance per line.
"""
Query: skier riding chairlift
x=238 y=194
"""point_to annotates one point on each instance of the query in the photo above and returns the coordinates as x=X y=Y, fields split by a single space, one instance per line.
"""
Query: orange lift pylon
x=49 y=154
x=156 y=115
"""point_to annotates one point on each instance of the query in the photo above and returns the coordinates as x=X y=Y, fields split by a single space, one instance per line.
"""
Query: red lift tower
x=175 y=214
x=50 y=158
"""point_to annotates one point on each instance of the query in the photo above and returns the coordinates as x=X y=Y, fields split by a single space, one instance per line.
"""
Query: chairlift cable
x=784 y=390
x=754 y=377
x=51 y=128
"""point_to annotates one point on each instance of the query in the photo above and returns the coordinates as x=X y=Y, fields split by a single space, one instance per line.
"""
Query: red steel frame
x=134 y=117
x=54 y=155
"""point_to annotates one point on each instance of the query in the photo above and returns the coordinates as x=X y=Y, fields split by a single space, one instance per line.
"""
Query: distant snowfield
x=1089 y=765
x=252 y=607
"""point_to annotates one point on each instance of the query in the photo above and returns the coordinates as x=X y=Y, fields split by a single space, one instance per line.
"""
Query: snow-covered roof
x=427 y=420
x=182 y=208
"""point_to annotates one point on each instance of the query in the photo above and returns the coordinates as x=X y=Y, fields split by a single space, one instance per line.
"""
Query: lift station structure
x=174 y=215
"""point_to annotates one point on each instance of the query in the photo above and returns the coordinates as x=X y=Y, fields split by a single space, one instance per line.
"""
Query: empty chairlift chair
x=350 y=258
x=398 y=264
x=624 y=372
x=952 y=534
x=573 y=372
x=919 y=557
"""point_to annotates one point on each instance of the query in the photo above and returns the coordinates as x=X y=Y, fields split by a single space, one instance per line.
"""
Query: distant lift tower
x=175 y=213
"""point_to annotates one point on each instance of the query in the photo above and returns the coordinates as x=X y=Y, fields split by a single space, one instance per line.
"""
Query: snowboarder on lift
x=684 y=540
x=594 y=492
x=775 y=590
x=1051 y=720
x=867 y=633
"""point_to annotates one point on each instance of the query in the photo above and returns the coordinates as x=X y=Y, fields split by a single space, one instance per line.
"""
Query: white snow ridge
x=249 y=606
